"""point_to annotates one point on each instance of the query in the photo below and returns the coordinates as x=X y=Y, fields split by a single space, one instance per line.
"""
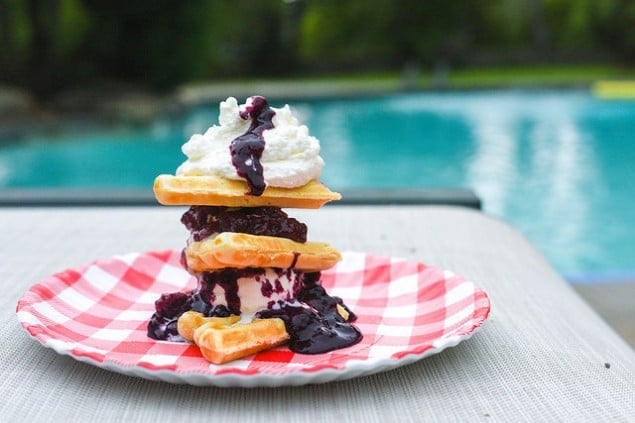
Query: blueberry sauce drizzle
x=247 y=149
x=169 y=307
x=313 y=322
x=203 y=221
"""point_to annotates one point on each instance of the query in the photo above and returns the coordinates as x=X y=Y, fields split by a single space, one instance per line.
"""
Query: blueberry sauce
x=313 y=322
x=268 y=288
x=169 y=307
x=228 y=280
x=311 y=319
x=246 y=150
x=203 y=221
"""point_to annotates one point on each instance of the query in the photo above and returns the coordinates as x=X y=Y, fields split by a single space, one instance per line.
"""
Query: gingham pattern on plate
x=98 y=314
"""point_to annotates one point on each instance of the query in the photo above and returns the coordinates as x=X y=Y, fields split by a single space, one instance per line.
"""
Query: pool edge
x=94 y=197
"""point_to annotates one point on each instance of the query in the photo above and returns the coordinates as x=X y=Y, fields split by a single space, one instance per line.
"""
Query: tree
x=613 y=24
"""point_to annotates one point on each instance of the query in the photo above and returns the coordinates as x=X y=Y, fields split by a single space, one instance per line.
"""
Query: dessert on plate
x=258 y=276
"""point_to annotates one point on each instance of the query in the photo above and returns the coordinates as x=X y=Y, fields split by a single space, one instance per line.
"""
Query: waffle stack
x=281 y=270
x=258 y=276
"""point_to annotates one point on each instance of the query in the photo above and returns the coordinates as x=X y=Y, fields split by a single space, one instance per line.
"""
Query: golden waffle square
x=238 y=250
x=215 y=191
x=221 y=340
x=191 y=320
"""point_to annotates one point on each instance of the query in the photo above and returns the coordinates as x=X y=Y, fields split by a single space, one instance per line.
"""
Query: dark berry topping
x=203 y=221
x=169 y=307
x=313 y=322
x=247 y=149
x=311 y=316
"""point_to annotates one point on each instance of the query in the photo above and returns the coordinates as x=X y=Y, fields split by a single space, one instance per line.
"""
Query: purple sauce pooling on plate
x=169 y=307
x=311 y=319
x=313 y=322
x=247 y=149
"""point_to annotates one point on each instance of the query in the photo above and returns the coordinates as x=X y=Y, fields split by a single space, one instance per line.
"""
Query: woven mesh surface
x=543 y=354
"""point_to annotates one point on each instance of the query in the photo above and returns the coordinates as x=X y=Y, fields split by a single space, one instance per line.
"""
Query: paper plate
x=98 y=314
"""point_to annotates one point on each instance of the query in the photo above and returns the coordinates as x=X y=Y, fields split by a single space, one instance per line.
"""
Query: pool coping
x=95 y=197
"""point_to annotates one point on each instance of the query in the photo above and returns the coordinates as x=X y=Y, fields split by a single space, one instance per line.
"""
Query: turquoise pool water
x=558 y=165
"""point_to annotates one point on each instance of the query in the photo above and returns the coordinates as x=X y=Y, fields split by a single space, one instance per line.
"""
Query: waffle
x=191 y=320
x=216 y=191
x=238 y=250
x=220 y=341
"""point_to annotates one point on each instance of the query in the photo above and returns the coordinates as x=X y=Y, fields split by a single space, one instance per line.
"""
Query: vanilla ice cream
x=261 y=291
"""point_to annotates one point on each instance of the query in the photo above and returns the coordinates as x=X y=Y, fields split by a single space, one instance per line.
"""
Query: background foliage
x=48 y=45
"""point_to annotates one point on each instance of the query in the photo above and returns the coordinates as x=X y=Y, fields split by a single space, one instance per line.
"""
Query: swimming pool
x=558 y=165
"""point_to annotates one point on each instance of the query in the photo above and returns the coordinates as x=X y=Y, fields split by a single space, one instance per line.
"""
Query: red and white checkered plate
x=98 y=314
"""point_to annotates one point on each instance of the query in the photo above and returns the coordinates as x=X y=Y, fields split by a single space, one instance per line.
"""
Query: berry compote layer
x=204 y=221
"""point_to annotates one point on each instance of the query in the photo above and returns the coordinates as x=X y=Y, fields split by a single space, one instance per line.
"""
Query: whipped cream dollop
x=291 y=157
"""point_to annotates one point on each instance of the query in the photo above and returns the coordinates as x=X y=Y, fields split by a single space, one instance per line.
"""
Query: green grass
x=525 y=76
x=541 y=75
x=329 y=85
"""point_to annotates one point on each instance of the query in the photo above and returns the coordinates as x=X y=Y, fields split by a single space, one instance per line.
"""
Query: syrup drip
x=247 y=149
x=312 y=320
